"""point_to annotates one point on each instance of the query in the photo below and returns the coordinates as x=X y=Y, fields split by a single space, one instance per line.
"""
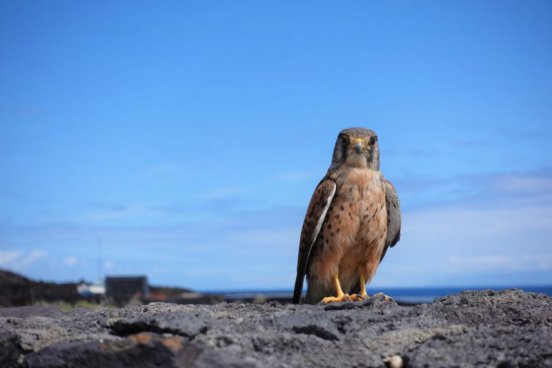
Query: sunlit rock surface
x=508 y=329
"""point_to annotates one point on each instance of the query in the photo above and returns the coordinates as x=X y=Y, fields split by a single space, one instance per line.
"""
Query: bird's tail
x=298 y=290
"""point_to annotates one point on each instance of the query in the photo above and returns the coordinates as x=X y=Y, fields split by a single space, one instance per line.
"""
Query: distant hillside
x=17 y=290
x=12 y=278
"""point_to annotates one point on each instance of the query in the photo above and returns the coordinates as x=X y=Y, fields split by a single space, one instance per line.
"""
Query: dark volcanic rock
x=9 y=349
x=140 y=350
x=485 y=328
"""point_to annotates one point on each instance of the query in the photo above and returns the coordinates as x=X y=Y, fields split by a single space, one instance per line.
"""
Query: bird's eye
x=373 y=140
x=344 y=139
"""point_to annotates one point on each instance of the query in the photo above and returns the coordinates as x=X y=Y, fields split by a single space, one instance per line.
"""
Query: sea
x=414 y=295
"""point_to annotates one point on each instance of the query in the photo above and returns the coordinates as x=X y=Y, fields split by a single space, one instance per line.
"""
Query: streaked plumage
x=352 y=219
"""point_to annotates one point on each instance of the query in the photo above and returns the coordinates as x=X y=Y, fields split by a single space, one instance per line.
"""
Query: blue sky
x=186 y=138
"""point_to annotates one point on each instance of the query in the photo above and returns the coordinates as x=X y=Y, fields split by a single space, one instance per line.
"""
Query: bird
x=352 y=219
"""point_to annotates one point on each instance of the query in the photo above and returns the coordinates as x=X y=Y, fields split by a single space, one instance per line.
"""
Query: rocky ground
x=507 y=329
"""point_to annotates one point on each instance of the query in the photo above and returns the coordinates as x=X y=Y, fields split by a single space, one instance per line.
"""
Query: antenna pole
x=100 y=260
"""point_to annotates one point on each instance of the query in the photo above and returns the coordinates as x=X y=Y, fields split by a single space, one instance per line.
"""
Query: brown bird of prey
x=352 y=219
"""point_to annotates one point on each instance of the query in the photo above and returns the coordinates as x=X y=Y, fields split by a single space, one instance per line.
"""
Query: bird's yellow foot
x=385 y=298
x=334 y=299
x=358 y=297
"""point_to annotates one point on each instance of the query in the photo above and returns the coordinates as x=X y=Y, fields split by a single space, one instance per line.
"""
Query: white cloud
x=110 y=214
x=32 y=257
x=520 y=183
x=8 y=257
x=129 y=212
x=70 y=261
x=20 y=261
x=457 y=245
x=501 y=263
x=469 y=227
x=483 y=243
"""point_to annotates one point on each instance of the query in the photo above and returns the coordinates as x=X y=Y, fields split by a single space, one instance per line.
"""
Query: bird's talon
x=336 y=299
x=358 y=297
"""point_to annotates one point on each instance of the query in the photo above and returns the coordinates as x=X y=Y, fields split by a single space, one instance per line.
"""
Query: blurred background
x=183 y=140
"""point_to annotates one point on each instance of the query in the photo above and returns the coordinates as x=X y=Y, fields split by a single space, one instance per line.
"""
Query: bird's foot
x=382 y=296
x=336 y=299
x=359 y=297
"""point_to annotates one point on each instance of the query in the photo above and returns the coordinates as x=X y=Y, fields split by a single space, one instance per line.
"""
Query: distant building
x=126 y=289
x=86 y=290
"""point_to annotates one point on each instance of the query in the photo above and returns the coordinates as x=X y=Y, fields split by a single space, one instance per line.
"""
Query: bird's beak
x=358 y=146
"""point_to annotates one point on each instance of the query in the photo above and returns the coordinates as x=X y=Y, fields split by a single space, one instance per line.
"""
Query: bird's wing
x=393 y=217
x=316 y=213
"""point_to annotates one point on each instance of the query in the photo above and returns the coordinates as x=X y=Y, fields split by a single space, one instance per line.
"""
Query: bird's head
x=356 y=147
